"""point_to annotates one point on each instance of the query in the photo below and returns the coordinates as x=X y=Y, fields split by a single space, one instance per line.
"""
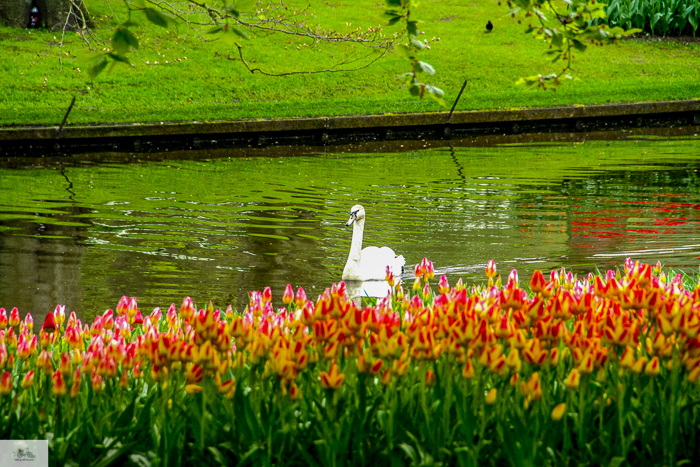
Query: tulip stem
x=581 y=411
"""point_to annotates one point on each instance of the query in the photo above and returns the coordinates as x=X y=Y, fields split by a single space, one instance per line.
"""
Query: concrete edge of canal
x=327 y=130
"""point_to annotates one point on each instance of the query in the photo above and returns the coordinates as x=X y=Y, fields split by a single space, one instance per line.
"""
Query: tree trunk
x=15 y=13
x=54 y=15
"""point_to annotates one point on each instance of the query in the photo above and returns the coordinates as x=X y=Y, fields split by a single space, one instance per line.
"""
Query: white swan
x=368 y=264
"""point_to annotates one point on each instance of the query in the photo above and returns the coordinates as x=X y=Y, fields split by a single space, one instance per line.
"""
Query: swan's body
x=368 y=264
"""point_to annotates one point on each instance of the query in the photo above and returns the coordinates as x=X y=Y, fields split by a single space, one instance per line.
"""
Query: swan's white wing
x=375 y=260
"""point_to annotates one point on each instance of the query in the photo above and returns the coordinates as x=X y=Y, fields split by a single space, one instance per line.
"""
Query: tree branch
x=310 y=72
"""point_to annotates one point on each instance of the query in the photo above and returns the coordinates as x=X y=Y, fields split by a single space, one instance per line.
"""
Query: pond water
x=82 y=231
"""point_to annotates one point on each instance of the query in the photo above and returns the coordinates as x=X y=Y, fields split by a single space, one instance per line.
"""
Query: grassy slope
x=210 y=87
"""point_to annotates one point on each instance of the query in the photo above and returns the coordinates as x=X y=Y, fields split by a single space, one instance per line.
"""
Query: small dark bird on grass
x=489 y=26
x=564 y=19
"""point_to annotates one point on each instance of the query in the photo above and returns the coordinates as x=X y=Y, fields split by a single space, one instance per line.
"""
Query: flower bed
x=597 y=370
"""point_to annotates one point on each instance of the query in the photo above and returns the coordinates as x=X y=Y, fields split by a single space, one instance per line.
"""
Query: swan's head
x=357 y=213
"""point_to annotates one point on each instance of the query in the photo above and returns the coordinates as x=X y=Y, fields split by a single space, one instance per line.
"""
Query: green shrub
x=666 y=17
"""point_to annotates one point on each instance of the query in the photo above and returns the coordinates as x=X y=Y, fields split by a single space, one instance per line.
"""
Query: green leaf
x=218 y=457
x=412 y=28
x=557 y=40
x=393 y=2
x=529 y=80
x=123 y=39
x=435 y=91
x=307 y=457
x=215 y=30
x=119 y=58
x=250 y=454
x=630 y=32
x=126 y=416
x=578 y=45
x=394 y=20
x=417 y=44
x=427 y=68
x=158 y=17
x=616 y=461
x=97 y=66
x=540 y=14
x=144 y=420
x=238 y=31
x=410 y=452
x=139 y=460
x=111 y=456
x=232 y=10
x=414 y=90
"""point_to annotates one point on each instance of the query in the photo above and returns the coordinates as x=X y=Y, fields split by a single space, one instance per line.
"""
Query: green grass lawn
x=206 y=85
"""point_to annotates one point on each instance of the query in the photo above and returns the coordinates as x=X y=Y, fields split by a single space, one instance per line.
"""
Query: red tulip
x=14 y=317
x=301 y=298
x=491 y=269
x=6 y=384
x=28 y=380
x=288 y=295
x=49 y=323
x=138 y=319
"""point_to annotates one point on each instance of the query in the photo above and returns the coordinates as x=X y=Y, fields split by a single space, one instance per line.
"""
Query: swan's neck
x=358 y=228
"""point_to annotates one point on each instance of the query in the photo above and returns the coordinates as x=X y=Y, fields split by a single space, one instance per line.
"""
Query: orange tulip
x=59 y=385
x=386 y=377
x=288 y=295
x=652 y=368
x=228 y=387
x=376 y=367
x=537 y=284
x=573 y=380
x=558 y=412
x=6 y=384
x=429 y=378
x=639 y=365
x=294 y=392
x=333 y=379
x=491 y=396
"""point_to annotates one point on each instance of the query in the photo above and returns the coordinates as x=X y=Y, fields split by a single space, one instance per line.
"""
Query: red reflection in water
x=637 y=219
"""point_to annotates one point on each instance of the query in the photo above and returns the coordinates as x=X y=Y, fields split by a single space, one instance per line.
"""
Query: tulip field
x=562 y=370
